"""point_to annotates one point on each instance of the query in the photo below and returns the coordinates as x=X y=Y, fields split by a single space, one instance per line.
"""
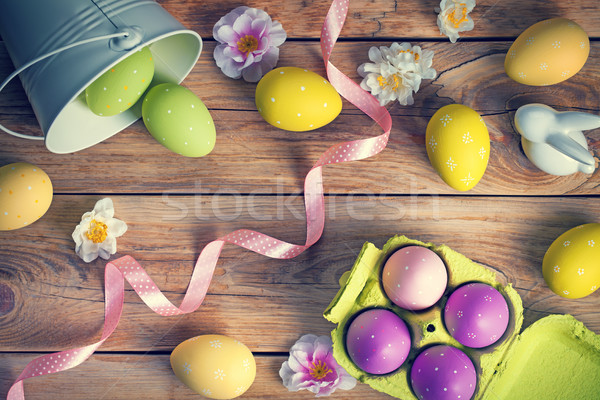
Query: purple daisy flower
x=249 y=42
x=311 y=366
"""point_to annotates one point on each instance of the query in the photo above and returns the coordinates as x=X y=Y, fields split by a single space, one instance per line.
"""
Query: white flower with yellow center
x=454 y=17
x=97 y=232
x=396 y=72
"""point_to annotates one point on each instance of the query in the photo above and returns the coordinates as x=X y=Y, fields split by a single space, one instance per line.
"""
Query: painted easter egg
x=296 y=99
x=378 y=341
x=25 y=195
x=178 y=120
x=122 y=85
x=414 y=277
x=476 y=315
x=458 y=145
x=443 y=373
x=571 y=266
x=547 y=52
x=215 y=366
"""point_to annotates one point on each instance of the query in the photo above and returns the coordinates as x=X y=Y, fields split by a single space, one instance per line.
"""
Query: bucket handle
x=121 y=34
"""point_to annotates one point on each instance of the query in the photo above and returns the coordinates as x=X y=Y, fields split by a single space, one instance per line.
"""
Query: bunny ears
x=553 y=140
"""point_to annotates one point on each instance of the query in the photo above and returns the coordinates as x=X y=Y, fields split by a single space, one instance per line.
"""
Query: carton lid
x=557 y=357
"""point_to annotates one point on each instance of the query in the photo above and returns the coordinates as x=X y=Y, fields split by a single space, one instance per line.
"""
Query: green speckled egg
x=121 y=86
x=179 y=120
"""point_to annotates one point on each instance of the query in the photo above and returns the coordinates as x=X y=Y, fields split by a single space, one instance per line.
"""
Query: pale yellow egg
x=215 y=366
x=297 y=99
x=571 y=266
x=548 y=52
x=25 y=195
x=458 y=145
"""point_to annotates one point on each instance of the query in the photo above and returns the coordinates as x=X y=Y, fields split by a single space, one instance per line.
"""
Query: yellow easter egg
x=215 y=366
x=571 y=266
x=458 y=145
x=547 y=52
x=296 y=99
x=25 y=195
x=122 y=85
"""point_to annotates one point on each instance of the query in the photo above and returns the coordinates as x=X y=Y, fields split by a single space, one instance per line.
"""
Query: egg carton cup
x=501 y=366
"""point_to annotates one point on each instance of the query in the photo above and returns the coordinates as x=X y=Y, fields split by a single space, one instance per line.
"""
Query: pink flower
x=311 y=366
x=249 y=42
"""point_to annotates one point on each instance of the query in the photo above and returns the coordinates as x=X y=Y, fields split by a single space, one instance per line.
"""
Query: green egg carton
x=555 y=358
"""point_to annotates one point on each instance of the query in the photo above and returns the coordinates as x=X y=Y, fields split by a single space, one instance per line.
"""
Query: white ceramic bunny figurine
x=553 y=140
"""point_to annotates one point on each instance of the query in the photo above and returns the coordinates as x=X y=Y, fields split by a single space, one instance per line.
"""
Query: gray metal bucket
x=55 y=85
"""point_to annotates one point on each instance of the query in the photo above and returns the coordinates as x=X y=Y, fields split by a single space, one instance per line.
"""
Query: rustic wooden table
x=50 y=300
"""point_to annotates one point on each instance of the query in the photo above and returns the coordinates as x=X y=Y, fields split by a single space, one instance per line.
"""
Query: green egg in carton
x=557 y=357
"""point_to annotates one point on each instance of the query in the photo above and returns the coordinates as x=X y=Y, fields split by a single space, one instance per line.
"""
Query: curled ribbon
x=126 y=268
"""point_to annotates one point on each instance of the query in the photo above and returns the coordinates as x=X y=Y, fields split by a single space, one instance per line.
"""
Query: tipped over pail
x=55 y=86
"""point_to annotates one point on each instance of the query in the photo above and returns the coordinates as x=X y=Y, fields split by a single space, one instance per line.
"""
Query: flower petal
x=303 y=358
x=323 y=345
x=228 y=19
x=235 y=54
x=116 y=227
x=249 y=61
x=303 y=346
x=263 y=45
x=105 y=208
x=286 y=373
x=77 y=235
x=230 y=68
x=108 y=247
x=269 y=59
x=258 y=27
x=243 y=25
x=277 y=34
x=325 y=391
x=227 y=35
x=309 y=338
x=301 y=379
x=295 y=365
x=257 y=13
x=88 y=251
x=346 y=381
x=375 y=55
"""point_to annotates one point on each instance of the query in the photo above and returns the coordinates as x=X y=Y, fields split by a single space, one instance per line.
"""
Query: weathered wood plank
x=252 y=156
x=133 y=376
x=266 y=303
x=388 y=18
x=472 y=75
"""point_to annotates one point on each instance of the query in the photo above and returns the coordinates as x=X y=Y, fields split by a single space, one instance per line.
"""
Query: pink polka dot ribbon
x=127 y=268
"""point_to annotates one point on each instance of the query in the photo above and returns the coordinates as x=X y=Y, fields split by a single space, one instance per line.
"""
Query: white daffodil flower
x=97 y=232
x=396 y=72
x=454 y=17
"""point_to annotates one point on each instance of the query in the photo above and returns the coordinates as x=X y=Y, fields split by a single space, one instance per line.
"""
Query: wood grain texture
x=391 y=18
x=254 y=157
x=50 y=300
x=287 y=297
x=149 y=377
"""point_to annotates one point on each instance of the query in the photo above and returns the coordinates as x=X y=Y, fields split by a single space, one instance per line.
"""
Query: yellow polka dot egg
x=122 y=85
x=458 y=145
x=571 y=266
x=178 y=120
x=296 y=99
x=215 y=366
x=25 y=195
x=548 y=52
